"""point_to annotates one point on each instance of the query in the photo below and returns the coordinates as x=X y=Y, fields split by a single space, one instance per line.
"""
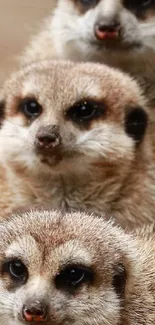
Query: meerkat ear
x=2 y=110
x=136 y=122
x=119 y=279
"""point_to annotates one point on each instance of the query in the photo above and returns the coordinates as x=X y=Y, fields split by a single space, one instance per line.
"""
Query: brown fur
x=120 y=291
x=97 y=166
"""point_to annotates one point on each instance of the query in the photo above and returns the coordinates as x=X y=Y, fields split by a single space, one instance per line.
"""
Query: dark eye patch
x=84 y=5
x=16 y=269
x=139 y=5
x=88 y=2
x=30 y=108
x=14 y=272
x=72 y=277
x=136 y=122
x=85 y=111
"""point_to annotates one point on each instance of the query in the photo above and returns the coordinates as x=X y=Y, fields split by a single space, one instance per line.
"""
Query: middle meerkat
x=76 y=136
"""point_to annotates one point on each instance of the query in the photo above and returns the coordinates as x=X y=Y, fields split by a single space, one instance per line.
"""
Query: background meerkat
x=76 y=136
x=74 y=268
x=120 y=33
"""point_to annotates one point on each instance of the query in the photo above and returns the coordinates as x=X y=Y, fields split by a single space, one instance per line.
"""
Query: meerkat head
x=61 y=269
x=83 y=29
x=71 y=115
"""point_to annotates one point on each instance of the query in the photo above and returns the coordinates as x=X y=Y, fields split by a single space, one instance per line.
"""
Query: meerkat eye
x=85 y=111
x=16 y=270
x=138 y=4
x=30 y=107
x=88 y=2
x=73 y=276
x=145 y=3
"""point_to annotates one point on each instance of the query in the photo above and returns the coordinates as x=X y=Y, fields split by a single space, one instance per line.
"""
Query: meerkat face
x=86 y=28
x=74 y=115
x=60 y=270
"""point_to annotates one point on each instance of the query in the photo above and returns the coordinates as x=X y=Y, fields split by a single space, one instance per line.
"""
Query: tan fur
x=69 y=34
x=98 y=167
x=121 y=290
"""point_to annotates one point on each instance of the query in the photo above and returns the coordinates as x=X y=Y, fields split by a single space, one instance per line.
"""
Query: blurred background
x=18 y=20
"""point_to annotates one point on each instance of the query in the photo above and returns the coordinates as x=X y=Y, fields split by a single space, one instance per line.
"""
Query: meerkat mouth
x=51 y=161
x=56 y=158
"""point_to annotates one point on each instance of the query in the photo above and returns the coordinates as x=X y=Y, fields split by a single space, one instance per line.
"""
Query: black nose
x=107 y=30
x=34 y=312
x=48 y=137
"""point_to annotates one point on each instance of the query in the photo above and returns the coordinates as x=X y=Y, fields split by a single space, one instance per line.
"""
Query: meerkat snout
x=107 y=29
x=35 y=311
x=48 y=138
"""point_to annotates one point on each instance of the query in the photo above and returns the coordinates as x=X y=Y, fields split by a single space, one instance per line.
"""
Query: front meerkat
x=76 y=136
x=120 y=33
x=74 y=269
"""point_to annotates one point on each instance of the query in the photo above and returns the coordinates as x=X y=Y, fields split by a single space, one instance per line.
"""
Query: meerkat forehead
x=68 y=236
x=65 y=83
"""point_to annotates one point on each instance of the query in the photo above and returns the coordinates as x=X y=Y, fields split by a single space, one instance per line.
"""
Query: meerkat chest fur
x=76 y=136
x=117 y=195
x=92 y=191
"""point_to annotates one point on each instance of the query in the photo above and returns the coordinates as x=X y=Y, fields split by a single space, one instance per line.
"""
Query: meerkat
x=58 y=268
x=76 y=136
x=120 y=33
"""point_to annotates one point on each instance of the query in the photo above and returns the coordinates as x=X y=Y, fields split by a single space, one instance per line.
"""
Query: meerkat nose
x=109 y=30
x=34 y=312
x=48 y=137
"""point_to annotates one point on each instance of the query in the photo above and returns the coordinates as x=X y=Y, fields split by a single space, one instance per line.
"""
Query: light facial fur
x=76 y=136
x=74 y=269
x=70 y=33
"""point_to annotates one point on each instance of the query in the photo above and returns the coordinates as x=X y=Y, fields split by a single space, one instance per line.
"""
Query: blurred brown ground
x=18 y=20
